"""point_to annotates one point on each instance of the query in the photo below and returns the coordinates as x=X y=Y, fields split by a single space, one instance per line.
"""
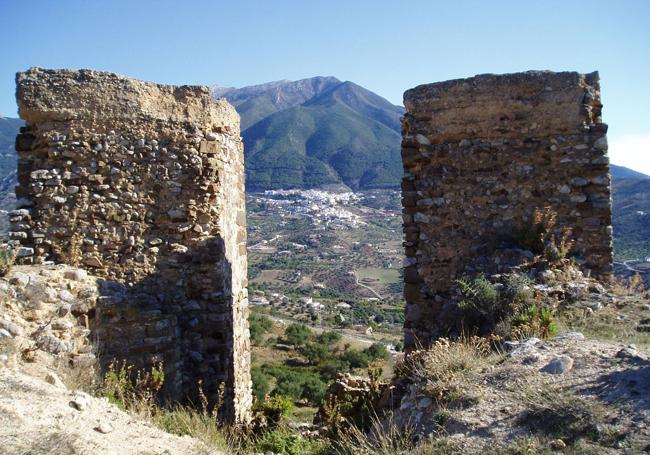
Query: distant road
x=628 y=267
x=356 y=278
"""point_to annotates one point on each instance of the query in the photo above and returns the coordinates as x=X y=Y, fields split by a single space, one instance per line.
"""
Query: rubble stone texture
x=143 y=185
x=480 y=155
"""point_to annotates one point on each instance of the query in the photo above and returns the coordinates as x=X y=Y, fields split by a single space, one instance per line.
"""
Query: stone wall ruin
x=480 y=155
x=143 y=185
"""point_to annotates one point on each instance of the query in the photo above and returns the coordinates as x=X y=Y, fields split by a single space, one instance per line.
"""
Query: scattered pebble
x=80 y=402
x=557 y=444
x=53 y=378
x=10 y=327
x=19 y=279
x=560 y=364
x=104 y=428
x=570 y=336
x=628 y=352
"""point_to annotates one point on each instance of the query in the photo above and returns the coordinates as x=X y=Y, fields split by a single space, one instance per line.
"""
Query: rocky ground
x=584 y=391
x=567 y=394
x=46 y=365
x=577 y=392
x=42 y=418
x=564 y=391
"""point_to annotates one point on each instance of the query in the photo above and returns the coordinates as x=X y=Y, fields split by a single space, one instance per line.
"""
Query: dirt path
x=356 y=278
x=37 y=417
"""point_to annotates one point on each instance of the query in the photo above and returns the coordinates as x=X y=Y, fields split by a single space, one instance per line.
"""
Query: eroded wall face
x=142 y=184
x=480 y=156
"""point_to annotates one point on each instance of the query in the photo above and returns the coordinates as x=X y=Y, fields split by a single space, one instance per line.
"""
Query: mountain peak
x=318 y=131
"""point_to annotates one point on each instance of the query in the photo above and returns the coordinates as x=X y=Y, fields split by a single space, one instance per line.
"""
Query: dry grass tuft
x=184 y=421
x=383 y=438
x=449 y=369
x=557 y=413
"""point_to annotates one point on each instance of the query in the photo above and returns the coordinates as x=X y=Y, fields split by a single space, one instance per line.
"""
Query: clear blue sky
x=385 y=46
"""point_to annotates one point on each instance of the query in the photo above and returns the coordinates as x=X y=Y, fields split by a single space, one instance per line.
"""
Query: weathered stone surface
x=480 y=156
x=558 y=365
x=143 y=183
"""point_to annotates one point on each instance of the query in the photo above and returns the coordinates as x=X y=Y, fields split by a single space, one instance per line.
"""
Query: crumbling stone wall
x=142 y=184
x=480 y=155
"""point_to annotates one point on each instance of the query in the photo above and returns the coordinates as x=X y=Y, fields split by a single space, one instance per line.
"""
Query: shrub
x=284 y=441
x=315 y=352
x=539 y=238
x=356 y=359
x=534 y=321
x=313 y=389
x=297 y=334
x=511 y=312
x=276 y=407
x=259 y=325
x=261 y=386
x=377 y=351
x=328 y=338
x=518 y=288
x=297 y=383
x=7 y=259
x=133 y=390
x=330 y=368
x=534 y=235
x=288 y=384
x=480 y=307
x=449 y=369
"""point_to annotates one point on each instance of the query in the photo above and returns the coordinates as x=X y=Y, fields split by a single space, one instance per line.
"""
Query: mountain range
x=317 y=132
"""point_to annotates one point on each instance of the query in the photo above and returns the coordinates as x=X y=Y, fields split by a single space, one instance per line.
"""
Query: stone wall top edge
x=539 y=103
x=487 y=80
x=98 y=96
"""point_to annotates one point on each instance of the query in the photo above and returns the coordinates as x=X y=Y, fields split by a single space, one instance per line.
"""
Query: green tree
x=356 y=359
x=377 y=351
x=313 y=389
x=315 y=353
x=328 y=338
x=259 y=325
x=261 y=384
x=297 y=334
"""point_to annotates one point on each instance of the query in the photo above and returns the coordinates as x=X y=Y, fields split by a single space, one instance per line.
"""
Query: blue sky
x=385 y=46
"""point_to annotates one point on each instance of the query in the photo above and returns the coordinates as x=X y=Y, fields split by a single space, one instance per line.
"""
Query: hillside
x=620 y=172
x=259 y=101
x=8 y=130
x=316 y=132
x=631 y=217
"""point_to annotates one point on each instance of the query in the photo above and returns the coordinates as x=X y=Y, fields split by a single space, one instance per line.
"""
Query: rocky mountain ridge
x=317 y=132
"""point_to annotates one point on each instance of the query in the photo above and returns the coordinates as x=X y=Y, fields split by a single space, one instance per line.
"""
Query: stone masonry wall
x=480 y=155
x=143 y=185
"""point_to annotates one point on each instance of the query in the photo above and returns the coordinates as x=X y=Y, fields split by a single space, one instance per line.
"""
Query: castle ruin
x=143 y=184
x=480 y=155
